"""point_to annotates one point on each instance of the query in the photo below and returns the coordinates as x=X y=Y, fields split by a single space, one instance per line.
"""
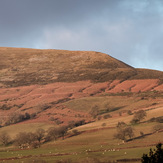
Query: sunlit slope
x=20 y=67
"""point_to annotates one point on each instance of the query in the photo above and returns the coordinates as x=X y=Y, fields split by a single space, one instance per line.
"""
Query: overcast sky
x=129 y=30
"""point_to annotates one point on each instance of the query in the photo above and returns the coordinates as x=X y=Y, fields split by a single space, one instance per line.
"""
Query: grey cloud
x=131 y=31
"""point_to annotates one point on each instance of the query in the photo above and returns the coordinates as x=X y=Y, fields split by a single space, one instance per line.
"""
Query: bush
x=157 y=127
x=107 y=116
x=129 y=112
x=5 y=107
x=157 y=119
x=103 y=124
x=99 y=118
x=141 y=133
x=73 y=124
x=75 y=132
x=94 y=111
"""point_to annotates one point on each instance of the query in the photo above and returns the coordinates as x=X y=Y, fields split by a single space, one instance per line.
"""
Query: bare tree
x=40 y=134
x=62 y=131
x=94 y=111
x=25 y=140
x=124 y=131
x=157 y=127
x=5 y=138
x=138 y=116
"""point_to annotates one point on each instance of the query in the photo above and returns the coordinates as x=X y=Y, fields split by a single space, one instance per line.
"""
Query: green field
x=90 y=144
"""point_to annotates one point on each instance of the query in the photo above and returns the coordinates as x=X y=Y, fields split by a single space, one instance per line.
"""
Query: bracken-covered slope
x=20 y=67
x=41 y=82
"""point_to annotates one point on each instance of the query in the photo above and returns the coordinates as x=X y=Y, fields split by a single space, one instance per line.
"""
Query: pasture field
x=95 y=140
x=91 y=144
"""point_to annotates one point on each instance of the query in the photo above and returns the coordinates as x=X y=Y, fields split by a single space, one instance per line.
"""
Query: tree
x=129 y=112
x=94 y=111
x=154 y=156
x=25 y=140
x=5 y=138
x=40 y=134
x=75 y=132
x=62 y=131
x=124 y=131
x=138 y=116
x=54 y=133
x=157 y=127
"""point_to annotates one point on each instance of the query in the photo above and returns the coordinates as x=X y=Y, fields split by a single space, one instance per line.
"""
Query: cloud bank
x=131 y=31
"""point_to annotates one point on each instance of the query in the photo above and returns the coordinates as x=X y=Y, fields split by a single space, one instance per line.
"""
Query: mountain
x=22 y=67
x=53 y=83
x=90 y=93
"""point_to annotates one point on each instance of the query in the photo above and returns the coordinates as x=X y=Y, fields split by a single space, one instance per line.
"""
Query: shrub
x=141 y=133
x=5 y=107
x=157 y=119
x=103 y=124
x=94 y=111
x=99 y=117
x=73 y=124
x=75 y=132
x=120 y=113
x=107 y=116
x=129 y=112
x=157 y=127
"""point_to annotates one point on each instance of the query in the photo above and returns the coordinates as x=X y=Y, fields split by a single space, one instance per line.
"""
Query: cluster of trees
x=54 y=133
x=34 y=140
x=5 y=139
x=96 y=113
x=73 y=124
x=16 y=117
x=124 y=131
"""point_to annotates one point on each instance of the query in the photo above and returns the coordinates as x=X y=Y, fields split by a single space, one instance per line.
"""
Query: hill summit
x=21 y=66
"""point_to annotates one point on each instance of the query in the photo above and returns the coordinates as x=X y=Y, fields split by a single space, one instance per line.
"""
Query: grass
x=12 y=130
x=95 y=144
x=95 y=141
x=108 y=102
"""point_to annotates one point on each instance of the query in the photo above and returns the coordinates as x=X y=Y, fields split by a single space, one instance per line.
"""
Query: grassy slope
x=121 y=103
x=98 y=141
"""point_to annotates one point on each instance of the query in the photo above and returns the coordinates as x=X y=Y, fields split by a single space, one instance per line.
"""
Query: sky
x=129 y=30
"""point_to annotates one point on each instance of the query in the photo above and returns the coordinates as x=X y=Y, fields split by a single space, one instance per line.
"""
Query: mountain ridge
x=22 y=66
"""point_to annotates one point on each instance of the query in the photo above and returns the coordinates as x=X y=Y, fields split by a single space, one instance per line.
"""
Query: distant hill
x=21 y=67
